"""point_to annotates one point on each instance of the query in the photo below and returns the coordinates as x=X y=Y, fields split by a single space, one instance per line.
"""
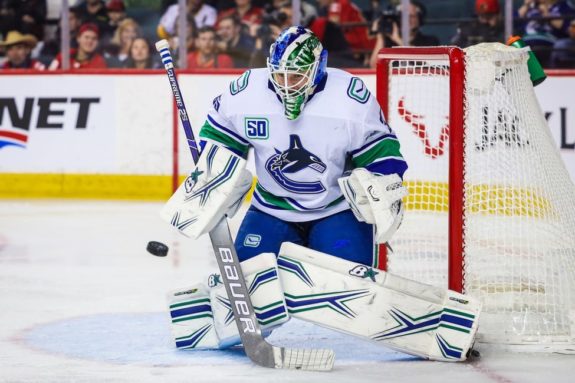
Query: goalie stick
x=257 y=349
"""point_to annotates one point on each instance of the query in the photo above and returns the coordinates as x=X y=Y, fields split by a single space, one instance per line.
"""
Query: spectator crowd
x=238 y=33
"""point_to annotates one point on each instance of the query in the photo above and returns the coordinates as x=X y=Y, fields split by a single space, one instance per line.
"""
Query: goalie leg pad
x=266 y=295
x=215 y=188
x=409 y=316
x=192 y=318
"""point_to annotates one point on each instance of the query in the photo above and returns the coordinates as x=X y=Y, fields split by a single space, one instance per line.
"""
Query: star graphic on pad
x=192 y=180
x=370 y=273
x=196 y=174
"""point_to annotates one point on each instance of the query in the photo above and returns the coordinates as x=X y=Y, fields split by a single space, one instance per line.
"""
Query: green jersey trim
x=271 y=201
x=385 y=149
x=210 y=132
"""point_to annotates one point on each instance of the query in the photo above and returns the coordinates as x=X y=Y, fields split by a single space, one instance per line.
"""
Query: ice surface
x=82 y=301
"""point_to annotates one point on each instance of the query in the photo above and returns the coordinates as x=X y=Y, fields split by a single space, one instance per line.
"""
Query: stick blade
x=304 y=359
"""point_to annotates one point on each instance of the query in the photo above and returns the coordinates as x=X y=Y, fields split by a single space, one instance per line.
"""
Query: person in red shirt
x=342 y=12
x=85 y=56
x=18 y=48
x=248 y=14
x=206 y=55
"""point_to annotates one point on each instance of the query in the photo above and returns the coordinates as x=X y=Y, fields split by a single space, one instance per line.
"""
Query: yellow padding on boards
x=88 y=186
x=423 y=195
x=480 y=199
x=507 y=201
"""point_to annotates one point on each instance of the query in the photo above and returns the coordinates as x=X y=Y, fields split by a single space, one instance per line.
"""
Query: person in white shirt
x=204 y=15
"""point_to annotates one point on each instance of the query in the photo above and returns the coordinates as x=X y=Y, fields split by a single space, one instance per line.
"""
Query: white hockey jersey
x=299 y=161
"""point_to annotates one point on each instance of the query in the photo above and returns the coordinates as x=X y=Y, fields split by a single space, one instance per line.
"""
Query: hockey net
x=491 y=209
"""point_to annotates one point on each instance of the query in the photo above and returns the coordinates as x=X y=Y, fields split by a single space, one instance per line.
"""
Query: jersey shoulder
x=250 y=82
x=349 y=88
x=246 y=91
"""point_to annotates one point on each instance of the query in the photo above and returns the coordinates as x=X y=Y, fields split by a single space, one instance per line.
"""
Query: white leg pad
x=266 y=295
x=406 y=315
x=192 y=318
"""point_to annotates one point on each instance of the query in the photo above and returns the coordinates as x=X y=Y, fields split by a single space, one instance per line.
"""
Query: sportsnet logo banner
x=55 y=123
x=13 y=137
x=19 y=116
x=23 y=114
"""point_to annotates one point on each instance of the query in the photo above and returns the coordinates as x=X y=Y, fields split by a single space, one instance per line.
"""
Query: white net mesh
x=304 y=359
x=418 y=111
x=519 y=222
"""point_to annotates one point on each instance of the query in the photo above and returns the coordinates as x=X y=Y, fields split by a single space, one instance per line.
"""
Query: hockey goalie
x=329 y=189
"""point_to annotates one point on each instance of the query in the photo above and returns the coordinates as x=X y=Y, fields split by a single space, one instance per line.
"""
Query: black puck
x=473 y=353
x=157 y=248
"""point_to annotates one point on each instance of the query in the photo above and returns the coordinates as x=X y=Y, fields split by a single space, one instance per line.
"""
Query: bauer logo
x=257 y=128
x=237 y=288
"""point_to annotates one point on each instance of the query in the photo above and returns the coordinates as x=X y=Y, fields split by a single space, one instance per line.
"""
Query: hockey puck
x=157 y=248
x=473 y=353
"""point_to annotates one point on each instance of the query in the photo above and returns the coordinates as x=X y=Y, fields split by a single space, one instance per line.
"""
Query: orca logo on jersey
x=293 y=160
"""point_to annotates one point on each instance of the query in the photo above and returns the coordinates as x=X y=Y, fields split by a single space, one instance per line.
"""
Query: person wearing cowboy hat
x=18 y=47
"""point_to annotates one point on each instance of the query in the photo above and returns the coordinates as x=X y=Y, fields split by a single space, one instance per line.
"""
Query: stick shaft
x=184 y=118
x=255 y=345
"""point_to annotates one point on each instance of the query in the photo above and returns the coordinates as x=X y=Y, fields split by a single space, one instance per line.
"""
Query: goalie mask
x=297 y=64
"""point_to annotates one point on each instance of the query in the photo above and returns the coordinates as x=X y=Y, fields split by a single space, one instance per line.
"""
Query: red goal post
x=456 y=76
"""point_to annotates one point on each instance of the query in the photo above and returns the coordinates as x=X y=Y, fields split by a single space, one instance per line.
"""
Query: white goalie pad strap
x=266 y=295
x=375 y=199
x=216 y=187
x=411 y=317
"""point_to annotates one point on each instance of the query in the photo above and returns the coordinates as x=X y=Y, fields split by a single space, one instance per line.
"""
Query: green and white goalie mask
x=297 y=64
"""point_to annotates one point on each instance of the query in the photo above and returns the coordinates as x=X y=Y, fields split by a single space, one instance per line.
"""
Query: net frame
x=408 y=58
x=455 y=56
